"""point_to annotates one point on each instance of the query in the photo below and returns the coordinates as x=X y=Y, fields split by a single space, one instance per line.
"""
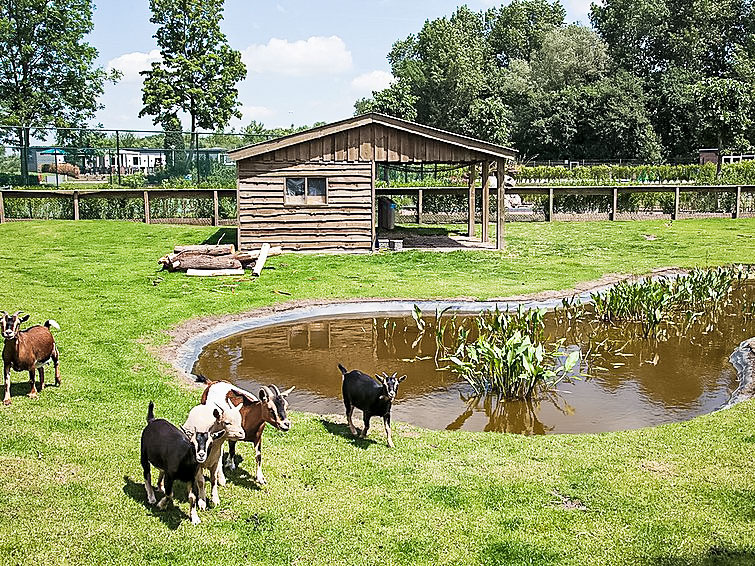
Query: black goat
x=177 y=454
x=373 y=398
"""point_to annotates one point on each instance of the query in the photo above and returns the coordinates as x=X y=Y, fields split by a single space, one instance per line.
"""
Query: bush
x=61 y=168
x=12 y=179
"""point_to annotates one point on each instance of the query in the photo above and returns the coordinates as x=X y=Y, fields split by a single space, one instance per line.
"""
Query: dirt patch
x=744 y=360
x=182 y=333
x=658 y=468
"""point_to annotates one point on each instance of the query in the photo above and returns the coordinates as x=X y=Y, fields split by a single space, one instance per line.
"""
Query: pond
x=629 y=383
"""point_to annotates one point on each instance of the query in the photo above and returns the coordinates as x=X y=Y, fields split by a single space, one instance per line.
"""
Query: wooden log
x=146 y=207
x=223 y=249
x=249 y=257
x=215 y=209
x=75 y=205
x=205 y=262
x=260 y=263
x=214 y=272
x=738 y=202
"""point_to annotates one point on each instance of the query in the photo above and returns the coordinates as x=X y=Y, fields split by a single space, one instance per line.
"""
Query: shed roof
x=432 y=134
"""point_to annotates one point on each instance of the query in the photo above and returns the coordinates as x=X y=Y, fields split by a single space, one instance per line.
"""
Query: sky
x=307 y=61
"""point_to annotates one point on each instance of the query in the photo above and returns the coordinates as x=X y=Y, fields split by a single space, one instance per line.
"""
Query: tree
x=198 y=70
x=47 y=75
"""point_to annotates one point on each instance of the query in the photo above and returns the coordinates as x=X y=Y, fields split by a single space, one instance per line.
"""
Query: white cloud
x=304 y=58
x=130 y=64
x=366 y=83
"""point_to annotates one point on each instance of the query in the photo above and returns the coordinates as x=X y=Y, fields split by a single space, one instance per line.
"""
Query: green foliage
x=134 y=181
x=7 y=179
x=198 y=71
x=504 y=354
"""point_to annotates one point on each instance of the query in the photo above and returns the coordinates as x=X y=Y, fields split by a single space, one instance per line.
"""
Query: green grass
x=70 y=482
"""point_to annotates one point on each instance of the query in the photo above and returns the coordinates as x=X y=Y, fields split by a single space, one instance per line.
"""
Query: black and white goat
x=27 y=350
x=178 y=455
x=373 y=398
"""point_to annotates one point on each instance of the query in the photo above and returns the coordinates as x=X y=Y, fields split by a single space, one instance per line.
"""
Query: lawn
x=71 y=489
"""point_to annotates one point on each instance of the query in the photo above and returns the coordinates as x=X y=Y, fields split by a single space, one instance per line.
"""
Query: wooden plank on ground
x=260 y=263
x=214 y=272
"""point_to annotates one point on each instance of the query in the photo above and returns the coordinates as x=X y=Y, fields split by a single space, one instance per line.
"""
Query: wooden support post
x=738 y=202
x=215 y=209
x=419 y=206
x=471 y=215
x=75 y=205
x=675 y=214
x=614 y=203
x=146 y=207
x=2 y=208
x=500 y=225
x=485 y=201
x=550 y=205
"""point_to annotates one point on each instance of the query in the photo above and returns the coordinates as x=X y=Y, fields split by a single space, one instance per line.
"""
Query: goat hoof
x=32 y=395
x=202 y=504
x=6 y=401
x=151 y=499
x=261 y=481
x=195 y=520
x=163 y=503
x=216 y=500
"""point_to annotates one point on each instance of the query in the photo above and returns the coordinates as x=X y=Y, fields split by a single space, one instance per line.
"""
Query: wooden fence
x=145 y=194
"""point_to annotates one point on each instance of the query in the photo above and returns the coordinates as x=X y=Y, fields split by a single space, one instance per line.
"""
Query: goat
x=206 y=417
x=177 y=454
x=27 y=350
x=270 y=408
x=374 y=399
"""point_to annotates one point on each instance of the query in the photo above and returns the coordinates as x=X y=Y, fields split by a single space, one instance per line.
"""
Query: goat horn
x=395 y=373
x=277 y=391
x=267 y=392
x=18 y=313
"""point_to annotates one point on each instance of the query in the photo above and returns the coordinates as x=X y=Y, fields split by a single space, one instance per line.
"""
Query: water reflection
x=631 y=383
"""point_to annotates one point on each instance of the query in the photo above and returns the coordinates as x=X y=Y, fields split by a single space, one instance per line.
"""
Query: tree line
x=650 y=80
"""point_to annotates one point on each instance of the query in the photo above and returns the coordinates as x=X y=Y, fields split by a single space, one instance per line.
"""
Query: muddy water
x=632 y=383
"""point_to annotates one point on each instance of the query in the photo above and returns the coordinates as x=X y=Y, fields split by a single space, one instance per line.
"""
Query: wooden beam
x=419 y=206
x=75 y=205
x=675 y=214
x=500 y=225
x=485 y=200
x=2 y=208
x=738 y=202
x=373 y=203
x=471 y=200
x=550 y=204
x=146 y=207
x=215 y=209
x=614 y=203
x=260 y=263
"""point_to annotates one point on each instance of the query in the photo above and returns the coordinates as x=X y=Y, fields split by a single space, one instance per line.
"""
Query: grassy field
x=70 y=482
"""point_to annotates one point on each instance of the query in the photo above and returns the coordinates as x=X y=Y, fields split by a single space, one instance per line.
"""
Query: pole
x=550 y=204
x=500 y=225
x=419 y=206
x=485 y=200
x=675 y=215
x=614 y=203
x=75 y=205
x=738 y=202
x=118 y=154
x=146 y=207
x=2 y=208
x=471 y=207
x=215 y=209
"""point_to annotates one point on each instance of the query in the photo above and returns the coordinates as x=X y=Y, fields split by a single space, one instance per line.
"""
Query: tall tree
x=47 y=71
x=198 y=70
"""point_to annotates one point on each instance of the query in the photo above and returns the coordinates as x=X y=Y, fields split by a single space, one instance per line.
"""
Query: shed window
x=306 y=190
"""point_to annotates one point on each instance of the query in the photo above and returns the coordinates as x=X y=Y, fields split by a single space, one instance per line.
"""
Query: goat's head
x=229 y=420
x=275 y=404
x=10 y=324
x=202 y=441
x=390 y=385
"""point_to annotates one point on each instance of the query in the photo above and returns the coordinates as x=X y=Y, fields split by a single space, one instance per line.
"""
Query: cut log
x=249 y=257
x=213 y=272
x=223 y=249
x=260 y=263
x=205 y=262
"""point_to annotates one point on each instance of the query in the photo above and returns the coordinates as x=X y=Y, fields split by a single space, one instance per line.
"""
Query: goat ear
x=24 y=318
x=402 y=378
x=380 y=378
x=187 y=432
x=218 y=434
x=288 y=391
x=263 y=394
x=216 y=414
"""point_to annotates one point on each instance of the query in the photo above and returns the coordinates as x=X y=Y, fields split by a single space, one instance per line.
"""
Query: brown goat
x=27 y=350
x=270 y=408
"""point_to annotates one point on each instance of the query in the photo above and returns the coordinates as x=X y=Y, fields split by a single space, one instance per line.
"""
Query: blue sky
x=307 y=61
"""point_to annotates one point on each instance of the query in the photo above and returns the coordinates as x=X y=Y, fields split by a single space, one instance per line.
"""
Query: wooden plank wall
x=374 y=142
x=344 y=224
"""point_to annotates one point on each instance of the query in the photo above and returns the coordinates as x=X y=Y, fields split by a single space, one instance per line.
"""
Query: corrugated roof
x=493 y=150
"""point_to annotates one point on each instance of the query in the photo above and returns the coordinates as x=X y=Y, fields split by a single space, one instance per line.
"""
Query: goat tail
x=151 y=412
x=51 y=323
x=344 y=371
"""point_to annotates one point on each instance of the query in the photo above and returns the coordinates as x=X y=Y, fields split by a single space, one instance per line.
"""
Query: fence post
x=75 y=205
x=738 y=202
x=146 y=207
x=471 y=199
x=419 y=206
x=500 y=224
x=215 y=209
x=485 y=201
x=614 y=203
x=118 y=154
x=550 y=204
x=2 y=208
x=675 y=215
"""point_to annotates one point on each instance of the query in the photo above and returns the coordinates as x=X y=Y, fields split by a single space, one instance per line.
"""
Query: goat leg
x=349 y=413
x=260 y=478
x=367 y=417
x=168 y=493
x=220 y=474
x=148 y=482
x=231 y=455
x=214 y=483
x=41 y=371
x=56 y=364
x=387 y=423
x=6 y=372
x=199 y=481
x=193 y=504
x=32 y=376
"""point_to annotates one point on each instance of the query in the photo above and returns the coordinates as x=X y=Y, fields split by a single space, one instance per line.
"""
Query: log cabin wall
x=343 y=223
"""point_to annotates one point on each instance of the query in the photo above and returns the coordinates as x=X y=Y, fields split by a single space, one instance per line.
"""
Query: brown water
x=636 y=383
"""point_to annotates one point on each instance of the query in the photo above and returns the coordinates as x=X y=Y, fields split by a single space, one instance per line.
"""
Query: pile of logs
x=210 y=260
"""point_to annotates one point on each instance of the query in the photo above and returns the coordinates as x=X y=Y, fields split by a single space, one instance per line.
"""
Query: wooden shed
x=315 y=190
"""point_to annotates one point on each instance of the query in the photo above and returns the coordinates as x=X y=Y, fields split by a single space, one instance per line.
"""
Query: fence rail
x=149 y=195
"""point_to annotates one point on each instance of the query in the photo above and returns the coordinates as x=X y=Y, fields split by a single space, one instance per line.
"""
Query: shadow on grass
x=222 y=236
x=343 y=430
x=172 y=515
x=716 y=556
x=241 y=478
